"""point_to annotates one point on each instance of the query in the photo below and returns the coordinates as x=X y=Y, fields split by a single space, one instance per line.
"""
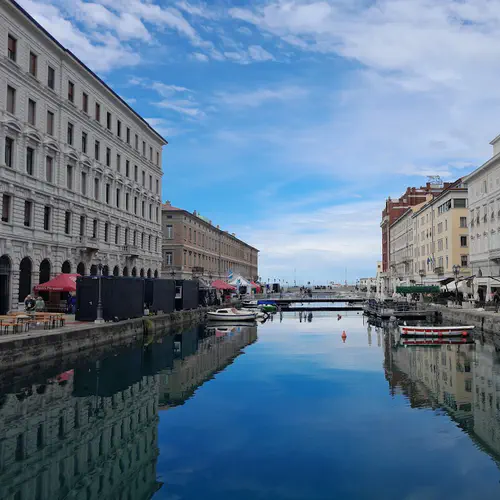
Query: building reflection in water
x=461 y=379
x=92 y=431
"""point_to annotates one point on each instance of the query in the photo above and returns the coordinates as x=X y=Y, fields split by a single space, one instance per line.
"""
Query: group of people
x=36 y=304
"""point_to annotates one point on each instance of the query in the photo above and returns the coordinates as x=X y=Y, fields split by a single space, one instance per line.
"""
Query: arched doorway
x=116 y=271
x=156 y=273
x=93 y=270
x=66 y=267
x=142 y=273
x=5 y=271
x=25 y=269
x=149 y=273
x=125 y=271
x=134 y=271
x=105 y=271
x=81 y=269
x=44 y=271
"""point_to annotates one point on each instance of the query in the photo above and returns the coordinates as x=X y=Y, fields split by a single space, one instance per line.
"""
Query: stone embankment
x=37 y=346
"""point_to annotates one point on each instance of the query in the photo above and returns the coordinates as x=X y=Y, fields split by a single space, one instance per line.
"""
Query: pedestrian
x=29 y=303
x=496 y=299
x=39 y=304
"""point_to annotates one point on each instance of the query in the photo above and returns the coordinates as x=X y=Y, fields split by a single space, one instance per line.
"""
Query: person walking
x=40 y=304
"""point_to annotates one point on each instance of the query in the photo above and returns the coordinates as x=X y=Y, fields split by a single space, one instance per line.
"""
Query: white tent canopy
x=239 y=281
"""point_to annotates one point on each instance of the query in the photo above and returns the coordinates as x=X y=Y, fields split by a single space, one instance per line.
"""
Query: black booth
x=121 y=297
x=159 y=295
x=186 y=294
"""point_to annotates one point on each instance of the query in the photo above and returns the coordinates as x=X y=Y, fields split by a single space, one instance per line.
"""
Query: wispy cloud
x=258 y=97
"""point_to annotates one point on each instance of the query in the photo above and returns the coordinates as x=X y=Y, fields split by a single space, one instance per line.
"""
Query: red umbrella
x=222 y=285
x=62 y=283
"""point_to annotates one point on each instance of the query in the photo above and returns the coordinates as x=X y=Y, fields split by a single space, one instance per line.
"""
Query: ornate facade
x=80 y=171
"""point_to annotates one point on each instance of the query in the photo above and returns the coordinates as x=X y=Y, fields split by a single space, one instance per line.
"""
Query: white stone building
x=484 y=225
x=401 y=251
x=80 y=171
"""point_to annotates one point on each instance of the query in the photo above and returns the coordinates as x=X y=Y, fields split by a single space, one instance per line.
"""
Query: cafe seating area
x=18 y=322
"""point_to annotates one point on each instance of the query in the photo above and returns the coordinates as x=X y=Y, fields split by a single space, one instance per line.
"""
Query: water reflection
x=92 y=431
x=461 y=379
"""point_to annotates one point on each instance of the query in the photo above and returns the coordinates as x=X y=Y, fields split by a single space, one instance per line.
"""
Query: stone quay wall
x=35 y=347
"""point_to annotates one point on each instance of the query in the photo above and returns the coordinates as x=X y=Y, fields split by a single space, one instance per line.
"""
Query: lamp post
x=99 y=318
x=422 y=274
x=456 y=272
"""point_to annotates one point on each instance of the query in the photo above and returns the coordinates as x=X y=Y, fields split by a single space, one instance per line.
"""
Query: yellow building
x=441 y=236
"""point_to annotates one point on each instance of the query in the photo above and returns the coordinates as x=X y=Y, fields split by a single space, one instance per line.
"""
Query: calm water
x=282 y=411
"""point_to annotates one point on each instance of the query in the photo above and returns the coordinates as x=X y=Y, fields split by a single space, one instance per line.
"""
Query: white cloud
x=245 y=31
x=198 y=56
x=186 y=107
x=196 y=10
x=258 y=53
x=258 y=97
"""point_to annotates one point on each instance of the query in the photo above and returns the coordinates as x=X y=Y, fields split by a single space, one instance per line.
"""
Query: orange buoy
x=344 y=336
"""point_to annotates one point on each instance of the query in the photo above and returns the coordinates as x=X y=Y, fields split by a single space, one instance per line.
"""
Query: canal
x=285 y=410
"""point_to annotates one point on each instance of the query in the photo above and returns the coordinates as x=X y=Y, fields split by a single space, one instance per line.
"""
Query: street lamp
x=422 y=274
x=99 y=318
x=456 y=272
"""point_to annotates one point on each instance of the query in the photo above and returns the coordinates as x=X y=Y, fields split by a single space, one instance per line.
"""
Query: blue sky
x=290 y=122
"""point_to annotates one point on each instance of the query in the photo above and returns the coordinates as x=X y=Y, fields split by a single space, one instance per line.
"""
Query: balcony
x=131 y=251
x=87 y=244
x=494 y=254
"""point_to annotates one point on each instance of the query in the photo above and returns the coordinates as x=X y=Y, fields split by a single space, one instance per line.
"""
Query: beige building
x=192 y=245
x=441 y=236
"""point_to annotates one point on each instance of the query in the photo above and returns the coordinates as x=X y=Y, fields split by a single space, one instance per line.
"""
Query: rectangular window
x=82 y=225
x=69 y=177
x=50 y=123
x=460 y=203
x=157 y=187
x=85 y=102
x=117 y=235
x=46 y=218
x=84 y=142
x=31 y=112
x=150 y=211
x=95 y=228
x=464 y=261
x=9 y=152
x=51 y=77
x=28 y=209
x=108 y=157
x=135 y=205
x=126 y=236
x=97 y=111
x=118 y=162
x=128 y=135
x=71 y=91
x=106 y=232
x=169 y=232
x=463 y=241
x=157 y=158
x=30 y=161
x=108 y=120
x=49 y=169
x=108 y=188
x=97 y=150
x=11 y=99
x=84 y=183
x=168 y=258
x=12 y=48
x=67 y=222
x=156 y=219
x=33 y=64
x=143 y=209
x=96 y=188
x=136 y=142
x=151 y=183
x=6 y=208
x=143 y=178
x=70 y=134
x=127 y=201
x=118 y=128
x=127 y=168
x=136 y=173
x=463 y=221
x=118 y=198
x=143 y=148
x=150 y=153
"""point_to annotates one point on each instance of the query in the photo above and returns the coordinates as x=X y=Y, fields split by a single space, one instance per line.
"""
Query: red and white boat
x=436 y=331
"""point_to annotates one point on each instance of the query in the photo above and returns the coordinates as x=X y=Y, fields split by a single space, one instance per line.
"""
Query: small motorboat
x=230 y=313
x=250 y=304
x=436 y=331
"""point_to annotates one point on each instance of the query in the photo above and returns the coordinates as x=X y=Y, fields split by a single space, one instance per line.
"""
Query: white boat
x=250 y=304
x=232 y=314
x=437 y=331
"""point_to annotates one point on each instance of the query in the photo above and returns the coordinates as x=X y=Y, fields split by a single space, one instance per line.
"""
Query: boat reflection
x=91 y=432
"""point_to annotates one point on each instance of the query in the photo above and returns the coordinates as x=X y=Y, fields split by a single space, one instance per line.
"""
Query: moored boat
x=230 y=313
x=436 y=331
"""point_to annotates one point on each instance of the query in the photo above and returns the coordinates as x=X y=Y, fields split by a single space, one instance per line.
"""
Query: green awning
x=417 y=289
